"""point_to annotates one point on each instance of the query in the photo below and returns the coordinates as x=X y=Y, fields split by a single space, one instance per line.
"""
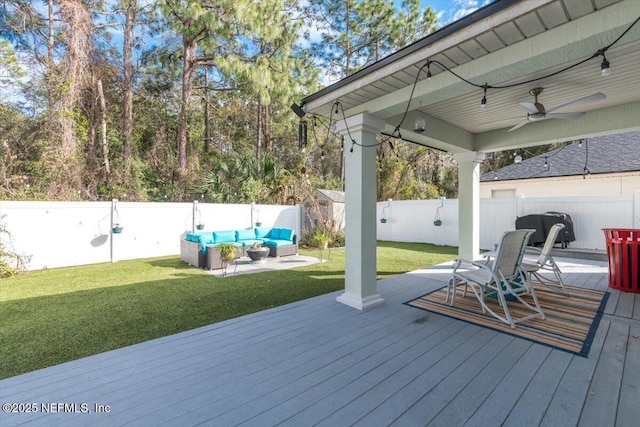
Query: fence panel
x=412 y=221
x=59 y=234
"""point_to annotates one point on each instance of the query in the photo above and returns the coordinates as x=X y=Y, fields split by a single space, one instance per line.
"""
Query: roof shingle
x=603 y=154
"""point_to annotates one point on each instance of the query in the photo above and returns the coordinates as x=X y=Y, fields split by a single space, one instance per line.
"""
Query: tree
x=356 y=33
x=131 y=9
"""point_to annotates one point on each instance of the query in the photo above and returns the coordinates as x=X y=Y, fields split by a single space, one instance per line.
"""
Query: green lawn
x=63 y=314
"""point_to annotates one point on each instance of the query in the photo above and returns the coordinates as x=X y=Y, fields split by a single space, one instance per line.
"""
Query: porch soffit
x=521 y=41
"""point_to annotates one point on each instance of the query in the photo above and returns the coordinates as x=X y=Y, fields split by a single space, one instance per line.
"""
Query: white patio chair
x=503 y=278
x=546 y=262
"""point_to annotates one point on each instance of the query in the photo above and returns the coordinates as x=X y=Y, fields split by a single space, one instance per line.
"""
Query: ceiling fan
x=537 y=112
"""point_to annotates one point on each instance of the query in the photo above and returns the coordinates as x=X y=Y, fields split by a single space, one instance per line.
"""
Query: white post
x=469 y=203
x=194 y=213
x=360 y=211
x=114 y=207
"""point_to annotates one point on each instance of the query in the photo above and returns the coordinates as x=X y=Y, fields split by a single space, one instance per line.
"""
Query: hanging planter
x=258 y=224
x=437 y=221
x=384 y=220
x=200 y=226
x=115 y=218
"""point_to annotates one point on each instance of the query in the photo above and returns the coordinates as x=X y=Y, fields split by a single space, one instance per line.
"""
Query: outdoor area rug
x=570 y=325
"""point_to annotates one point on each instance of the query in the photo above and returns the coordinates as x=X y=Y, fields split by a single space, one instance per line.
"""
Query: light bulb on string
x=483 y=102
x=604 y=66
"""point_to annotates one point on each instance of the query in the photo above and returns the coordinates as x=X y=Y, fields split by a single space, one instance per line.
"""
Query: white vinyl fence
x=413 y=221
x=57 y=234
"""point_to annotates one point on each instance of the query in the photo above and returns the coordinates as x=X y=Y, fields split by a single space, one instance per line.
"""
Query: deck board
x=602 y=399
x=320 y=362
x=628 y=411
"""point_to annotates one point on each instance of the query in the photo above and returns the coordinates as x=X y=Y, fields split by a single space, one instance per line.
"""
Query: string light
x=546 y=164
x=483 y=102
x=604 y=67
x=585 y=170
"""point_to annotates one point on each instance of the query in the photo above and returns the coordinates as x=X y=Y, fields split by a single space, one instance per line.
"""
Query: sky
x=448 y=11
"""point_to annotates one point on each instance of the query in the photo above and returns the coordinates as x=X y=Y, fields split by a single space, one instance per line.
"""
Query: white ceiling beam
x=438 y=134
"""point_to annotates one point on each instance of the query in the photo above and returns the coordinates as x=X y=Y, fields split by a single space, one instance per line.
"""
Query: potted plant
x=117 y=228
x=322 y=239
x=200 y=226
x=227 y=251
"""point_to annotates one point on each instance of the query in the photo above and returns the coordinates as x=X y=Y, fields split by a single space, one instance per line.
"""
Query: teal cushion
x=277 y=243
x=203 y=238
x=195 y=237
x=275 y=233
x=224 y=236
x=245 y=235
x=262 y=232
x=286 y=234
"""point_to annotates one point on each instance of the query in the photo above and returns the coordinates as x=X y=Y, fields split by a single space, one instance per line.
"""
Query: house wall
x=610 y=184
x=58 y=234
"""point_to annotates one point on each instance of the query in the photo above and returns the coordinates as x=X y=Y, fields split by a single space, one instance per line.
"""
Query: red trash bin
x=623 y=252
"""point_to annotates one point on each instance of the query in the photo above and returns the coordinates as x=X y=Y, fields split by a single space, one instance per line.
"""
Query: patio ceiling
x=505 y=42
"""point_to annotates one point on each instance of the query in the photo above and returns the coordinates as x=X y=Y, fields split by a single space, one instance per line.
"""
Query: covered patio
x=458 y=90
x=320 y=362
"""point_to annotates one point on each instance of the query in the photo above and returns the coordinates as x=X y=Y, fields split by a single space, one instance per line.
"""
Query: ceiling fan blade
x=519 y=125
x=529 y=106
x=564 y=115
x=591 y=98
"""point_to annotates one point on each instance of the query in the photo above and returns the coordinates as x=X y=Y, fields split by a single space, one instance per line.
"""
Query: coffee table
x=258 y=255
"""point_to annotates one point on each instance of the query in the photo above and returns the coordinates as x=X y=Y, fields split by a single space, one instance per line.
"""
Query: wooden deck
x=320 y=362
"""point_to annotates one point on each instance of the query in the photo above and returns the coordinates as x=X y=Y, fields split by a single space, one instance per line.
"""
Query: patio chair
x=546 y=262
x=503 y=278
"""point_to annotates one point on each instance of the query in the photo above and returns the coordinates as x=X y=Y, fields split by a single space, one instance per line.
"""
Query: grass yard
x=63 y=314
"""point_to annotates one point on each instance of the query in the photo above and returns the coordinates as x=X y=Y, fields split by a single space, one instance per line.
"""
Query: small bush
x=310 y=238
x=11 y=262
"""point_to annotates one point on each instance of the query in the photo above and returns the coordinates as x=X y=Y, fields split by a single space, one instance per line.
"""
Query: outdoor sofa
x=199 y=248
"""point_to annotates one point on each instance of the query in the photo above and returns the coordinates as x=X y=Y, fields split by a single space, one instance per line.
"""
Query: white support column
x=469 y=203
x=361 y=285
